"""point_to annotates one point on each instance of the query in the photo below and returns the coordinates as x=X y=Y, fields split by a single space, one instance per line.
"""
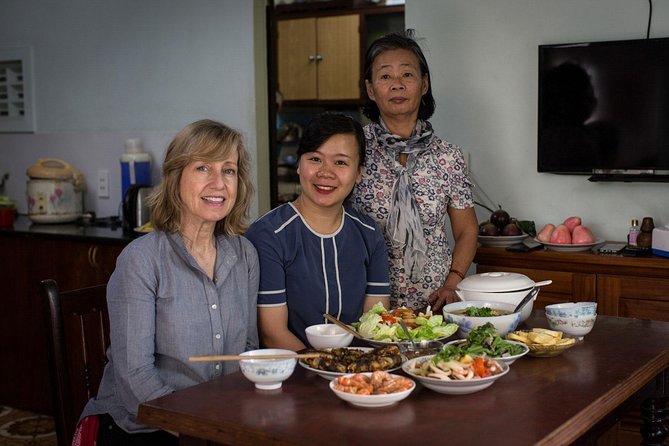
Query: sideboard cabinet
x=635 y=287
x=26 y=258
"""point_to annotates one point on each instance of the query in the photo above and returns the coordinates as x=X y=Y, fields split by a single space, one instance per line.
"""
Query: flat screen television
x=604 y=109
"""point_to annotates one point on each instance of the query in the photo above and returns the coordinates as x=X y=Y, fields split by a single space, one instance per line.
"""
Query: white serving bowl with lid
x=499 y=286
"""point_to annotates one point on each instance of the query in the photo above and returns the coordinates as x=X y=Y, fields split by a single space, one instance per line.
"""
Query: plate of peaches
x=569 y=236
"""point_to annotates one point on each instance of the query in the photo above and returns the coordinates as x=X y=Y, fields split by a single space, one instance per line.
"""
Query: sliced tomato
x=481 y=368
x=403 y=312
x=388 y=318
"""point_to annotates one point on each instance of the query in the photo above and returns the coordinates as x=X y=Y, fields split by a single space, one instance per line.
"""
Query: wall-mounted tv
x=604 y=109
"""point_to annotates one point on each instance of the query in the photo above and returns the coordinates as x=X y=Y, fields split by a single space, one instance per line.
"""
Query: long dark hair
x=397 y=41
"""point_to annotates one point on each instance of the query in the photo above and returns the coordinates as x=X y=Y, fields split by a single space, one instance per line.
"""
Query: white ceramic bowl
x=573 y=327
x=328 y=336
x=267 y=374
x=453 y=387
x=503 y=324
x=572 y=309
x=510 y=297
x=507 y=359
x=381 y=400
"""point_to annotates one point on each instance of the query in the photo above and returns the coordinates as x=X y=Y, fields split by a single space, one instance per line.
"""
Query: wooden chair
x=78 y=336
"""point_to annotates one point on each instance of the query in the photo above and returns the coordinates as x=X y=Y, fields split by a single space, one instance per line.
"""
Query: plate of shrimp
x=372 y=389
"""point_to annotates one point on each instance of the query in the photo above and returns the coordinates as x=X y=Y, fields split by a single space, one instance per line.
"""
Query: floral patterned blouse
x=439 y=180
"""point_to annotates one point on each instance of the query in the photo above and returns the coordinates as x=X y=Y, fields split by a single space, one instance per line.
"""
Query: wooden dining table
x=559 y=400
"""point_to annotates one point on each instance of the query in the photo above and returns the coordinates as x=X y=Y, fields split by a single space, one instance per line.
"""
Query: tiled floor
x=22 y=428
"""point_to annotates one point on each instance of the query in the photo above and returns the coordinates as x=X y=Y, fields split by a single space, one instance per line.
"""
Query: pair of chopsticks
x=336 y=321
x=240 y=357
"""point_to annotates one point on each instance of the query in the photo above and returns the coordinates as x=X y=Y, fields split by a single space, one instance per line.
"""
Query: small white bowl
x=572 y=309
x=574 y=327
x=267 y=374
x=328 y=336
x=453 y=387
x=503 y=324
x=381 y=400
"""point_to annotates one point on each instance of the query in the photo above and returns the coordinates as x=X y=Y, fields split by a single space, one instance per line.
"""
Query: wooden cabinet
x=24 y=261
x=319 y=58
x=622 y=286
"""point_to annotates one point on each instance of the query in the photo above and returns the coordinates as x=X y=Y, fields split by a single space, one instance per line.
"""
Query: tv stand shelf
x=622 y=286
x=629 y=178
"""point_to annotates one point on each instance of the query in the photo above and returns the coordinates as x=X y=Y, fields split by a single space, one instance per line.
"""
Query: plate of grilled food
x=341 y=361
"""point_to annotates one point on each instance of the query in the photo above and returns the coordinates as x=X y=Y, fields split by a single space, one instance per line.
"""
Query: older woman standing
x=413 y=180
x=188 y=288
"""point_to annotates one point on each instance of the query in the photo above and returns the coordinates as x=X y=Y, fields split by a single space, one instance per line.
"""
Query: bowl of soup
x=473 y=314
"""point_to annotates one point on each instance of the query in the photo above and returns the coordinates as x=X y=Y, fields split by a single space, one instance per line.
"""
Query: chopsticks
x=239 y=357
x=342 y=325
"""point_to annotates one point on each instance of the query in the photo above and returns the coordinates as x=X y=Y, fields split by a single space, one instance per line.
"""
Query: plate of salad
x=484 y=341
x=381 y=327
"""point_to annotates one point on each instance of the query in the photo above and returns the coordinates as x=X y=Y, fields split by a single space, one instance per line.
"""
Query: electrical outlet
x=103 y=183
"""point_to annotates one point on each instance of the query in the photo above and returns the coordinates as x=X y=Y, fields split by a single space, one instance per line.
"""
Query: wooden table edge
x=588 y=417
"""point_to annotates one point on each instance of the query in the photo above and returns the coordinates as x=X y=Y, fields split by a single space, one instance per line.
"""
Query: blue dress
x=314 y=273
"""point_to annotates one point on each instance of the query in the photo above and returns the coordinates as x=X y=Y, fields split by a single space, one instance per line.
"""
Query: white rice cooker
x=55 y=191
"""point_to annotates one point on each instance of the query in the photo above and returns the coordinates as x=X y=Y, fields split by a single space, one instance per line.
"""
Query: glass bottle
x=634 y=233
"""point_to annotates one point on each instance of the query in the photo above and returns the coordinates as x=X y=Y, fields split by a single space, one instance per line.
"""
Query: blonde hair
x=203 y=140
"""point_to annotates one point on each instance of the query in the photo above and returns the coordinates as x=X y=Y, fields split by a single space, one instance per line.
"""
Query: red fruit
x=572 y=222
x=561 y=235
x=545 y=234
x=582 y=235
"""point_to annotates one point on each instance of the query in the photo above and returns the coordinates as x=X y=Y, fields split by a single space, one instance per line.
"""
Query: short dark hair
x=397 y=41
x=325 y=125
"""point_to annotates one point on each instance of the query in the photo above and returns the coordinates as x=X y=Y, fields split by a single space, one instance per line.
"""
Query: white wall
x=483 y=59
x=106 y=71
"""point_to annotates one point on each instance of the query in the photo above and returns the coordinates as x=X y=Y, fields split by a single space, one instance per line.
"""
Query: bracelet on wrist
x=457 y=273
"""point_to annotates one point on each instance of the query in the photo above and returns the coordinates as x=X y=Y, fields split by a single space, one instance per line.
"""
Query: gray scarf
x=404 y=228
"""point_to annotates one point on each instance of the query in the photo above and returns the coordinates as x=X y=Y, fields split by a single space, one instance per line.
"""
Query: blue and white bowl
x=503 y=323
x=572 y=309
x=573 y=327
x=267 y=374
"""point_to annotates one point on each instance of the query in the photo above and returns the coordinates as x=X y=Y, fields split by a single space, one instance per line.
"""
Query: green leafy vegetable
x=484 y=340
x=479 y=312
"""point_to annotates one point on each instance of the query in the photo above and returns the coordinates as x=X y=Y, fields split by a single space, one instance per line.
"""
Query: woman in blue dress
x=316 y=255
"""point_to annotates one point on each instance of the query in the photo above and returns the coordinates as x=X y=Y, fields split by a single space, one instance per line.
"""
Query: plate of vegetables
x=484 y=341
x=381 y=327
x=451 y=373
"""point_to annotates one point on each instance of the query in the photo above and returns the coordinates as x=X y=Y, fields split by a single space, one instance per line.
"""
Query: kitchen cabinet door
x=296 y=46
x=319 y=58
x=637 y=297
x=27 y=260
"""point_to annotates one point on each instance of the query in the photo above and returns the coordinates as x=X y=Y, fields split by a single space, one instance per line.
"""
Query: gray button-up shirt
x=162 y=309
